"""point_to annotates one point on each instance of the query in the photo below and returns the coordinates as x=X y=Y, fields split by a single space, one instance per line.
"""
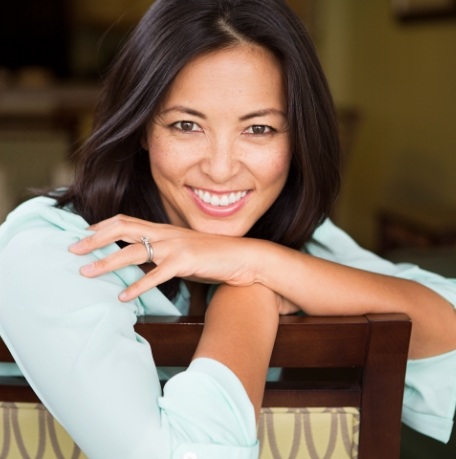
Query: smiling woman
x=218 y=145
x=213 y=163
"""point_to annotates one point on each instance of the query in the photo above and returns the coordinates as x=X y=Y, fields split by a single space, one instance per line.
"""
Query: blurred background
x=391 y=65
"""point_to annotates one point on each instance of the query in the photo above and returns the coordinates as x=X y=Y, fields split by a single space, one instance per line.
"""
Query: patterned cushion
x=309 y=433
x=27 y=430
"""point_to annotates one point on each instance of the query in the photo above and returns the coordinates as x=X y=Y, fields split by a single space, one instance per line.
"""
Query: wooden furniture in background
x=415 y=227
x=59 y=107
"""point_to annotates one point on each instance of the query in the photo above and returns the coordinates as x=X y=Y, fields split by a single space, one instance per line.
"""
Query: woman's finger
x=109 y=221
x=160 y=274
x=133 y=254
x=117 y=230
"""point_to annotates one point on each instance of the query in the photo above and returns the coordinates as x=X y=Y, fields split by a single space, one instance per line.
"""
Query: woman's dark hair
x=112 y=170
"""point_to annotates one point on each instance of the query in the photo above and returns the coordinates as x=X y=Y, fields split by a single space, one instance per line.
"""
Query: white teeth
x=206 y=197
x=224 y=201
x=219 y=201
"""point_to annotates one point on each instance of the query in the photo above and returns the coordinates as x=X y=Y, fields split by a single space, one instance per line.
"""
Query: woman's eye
x=186 y=126
x=259 y=129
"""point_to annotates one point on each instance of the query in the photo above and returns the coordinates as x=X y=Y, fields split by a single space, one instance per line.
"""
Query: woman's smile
x=219 y=144
x=217 y=204
x=219 y=199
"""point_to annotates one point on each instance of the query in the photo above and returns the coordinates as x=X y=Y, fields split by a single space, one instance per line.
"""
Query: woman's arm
x=321 y=287
x=239 y=331
x=76 y=344
x=350 y=281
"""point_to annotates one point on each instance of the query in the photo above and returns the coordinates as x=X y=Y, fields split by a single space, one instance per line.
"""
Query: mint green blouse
x=75 y=343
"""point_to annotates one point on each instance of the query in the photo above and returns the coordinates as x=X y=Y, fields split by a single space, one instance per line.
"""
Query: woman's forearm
x=321 y=287
x=239 y=331
x=315 y=285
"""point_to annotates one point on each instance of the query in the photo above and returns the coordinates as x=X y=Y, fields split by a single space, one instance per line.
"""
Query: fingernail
x=75 y=245
x=123 y=296
x=87 y=269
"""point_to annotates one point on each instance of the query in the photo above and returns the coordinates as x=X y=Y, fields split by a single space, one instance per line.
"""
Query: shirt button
x=190 y=455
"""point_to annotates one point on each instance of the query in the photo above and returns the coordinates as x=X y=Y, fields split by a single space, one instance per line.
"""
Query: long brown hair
x=112 y=170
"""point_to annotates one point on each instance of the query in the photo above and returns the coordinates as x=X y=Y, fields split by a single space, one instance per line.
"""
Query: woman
x=214 y=160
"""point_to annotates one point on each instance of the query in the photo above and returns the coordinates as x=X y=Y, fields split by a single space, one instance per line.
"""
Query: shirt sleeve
x=430 y=384
x=76 y=345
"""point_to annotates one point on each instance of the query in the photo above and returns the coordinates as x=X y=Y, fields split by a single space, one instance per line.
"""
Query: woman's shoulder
x=328 y=237
x=41 y=212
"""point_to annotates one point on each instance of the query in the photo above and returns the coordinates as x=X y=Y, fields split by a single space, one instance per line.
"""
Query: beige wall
x=402 y=78
x=106 y=12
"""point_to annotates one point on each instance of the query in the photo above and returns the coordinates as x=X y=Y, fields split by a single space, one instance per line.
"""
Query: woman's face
x=219 y=145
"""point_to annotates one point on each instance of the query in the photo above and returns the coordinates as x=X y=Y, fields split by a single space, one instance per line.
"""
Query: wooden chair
x=327 y=362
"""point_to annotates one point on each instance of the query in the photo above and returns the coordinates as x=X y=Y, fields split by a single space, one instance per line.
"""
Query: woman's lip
x=217 y=198
x=217 y=210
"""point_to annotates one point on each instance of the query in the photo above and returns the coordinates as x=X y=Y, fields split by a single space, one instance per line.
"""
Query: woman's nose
x=221 y=161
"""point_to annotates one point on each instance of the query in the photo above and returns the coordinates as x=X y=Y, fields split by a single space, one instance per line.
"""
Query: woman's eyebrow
x=263 y=112
x=185 y=110
x=254 y=114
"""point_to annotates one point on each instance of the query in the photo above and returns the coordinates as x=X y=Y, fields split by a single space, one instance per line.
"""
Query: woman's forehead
x=230 y=75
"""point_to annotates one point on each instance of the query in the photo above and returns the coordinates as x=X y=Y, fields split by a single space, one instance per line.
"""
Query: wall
x=108 y=12
x=100 y=26
x=402 y=79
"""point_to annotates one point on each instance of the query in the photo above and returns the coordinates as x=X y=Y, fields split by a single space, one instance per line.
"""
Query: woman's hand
x=177 y=252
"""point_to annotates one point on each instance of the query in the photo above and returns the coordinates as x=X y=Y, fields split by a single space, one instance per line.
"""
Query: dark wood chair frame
x=355 y=361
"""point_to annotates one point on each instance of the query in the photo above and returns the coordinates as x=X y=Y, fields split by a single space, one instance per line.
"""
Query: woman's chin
x=221 y=228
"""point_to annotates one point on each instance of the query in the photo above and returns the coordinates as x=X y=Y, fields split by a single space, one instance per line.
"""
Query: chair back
x=328 y=362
